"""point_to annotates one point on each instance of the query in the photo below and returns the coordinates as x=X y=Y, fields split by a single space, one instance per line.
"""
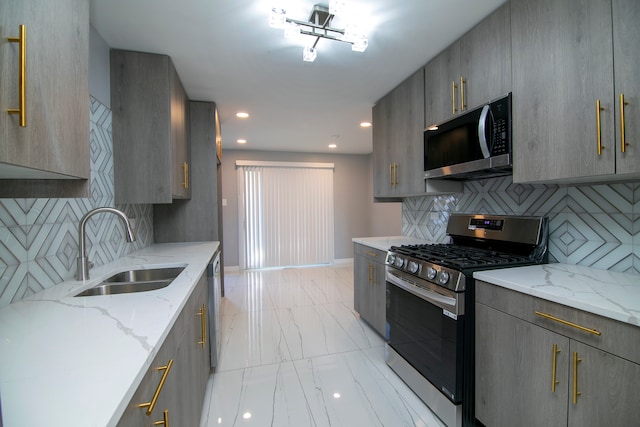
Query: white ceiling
x=225 y=51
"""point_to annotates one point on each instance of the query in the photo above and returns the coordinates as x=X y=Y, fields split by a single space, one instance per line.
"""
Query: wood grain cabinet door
x=515 y=371
x=55 y=141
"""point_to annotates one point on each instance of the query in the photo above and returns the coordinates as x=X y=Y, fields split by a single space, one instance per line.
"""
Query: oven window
x=426 y=338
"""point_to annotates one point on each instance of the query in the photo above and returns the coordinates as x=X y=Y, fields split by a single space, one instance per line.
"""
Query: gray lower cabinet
x=532 y=370
x=150 y=129
x=54 y=143
x=181 y=394
x=571 y=63
x=369 y=286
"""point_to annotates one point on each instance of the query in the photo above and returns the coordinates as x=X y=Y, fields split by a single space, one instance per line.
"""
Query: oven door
x=425 y=333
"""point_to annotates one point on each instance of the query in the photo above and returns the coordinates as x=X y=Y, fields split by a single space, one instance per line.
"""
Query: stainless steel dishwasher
x=214 y=311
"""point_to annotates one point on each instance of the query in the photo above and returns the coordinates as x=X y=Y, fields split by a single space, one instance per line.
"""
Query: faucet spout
x=83 y=262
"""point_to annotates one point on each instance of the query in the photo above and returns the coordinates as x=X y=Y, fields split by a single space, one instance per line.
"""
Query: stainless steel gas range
x=430 y=336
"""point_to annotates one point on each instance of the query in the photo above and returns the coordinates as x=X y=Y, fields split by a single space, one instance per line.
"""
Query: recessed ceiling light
x=241 y=141
x=365 y=124
x=242 y=114
x=332 y=145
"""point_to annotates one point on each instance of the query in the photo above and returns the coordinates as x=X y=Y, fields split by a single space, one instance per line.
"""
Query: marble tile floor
x=295 y=353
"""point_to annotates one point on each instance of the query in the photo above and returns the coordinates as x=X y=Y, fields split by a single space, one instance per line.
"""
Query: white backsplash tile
x=591 y=225
x=39 y=237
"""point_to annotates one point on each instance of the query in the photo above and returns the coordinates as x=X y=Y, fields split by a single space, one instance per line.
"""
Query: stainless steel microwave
x=475 y=144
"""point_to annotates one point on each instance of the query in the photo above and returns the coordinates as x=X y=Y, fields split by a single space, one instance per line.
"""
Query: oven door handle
x=442 y=301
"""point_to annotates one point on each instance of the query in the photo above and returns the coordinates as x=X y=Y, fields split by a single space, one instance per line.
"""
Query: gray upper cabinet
x=473 y=70
x=54 y=144
x=199 y=218
x=398 y=124
x=150 y=134
x=626 y=39
x=563 y=69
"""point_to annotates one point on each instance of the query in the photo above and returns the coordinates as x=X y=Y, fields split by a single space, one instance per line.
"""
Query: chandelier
x=319 y=26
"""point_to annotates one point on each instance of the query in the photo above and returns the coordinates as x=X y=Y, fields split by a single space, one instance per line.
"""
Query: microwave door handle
x=482 y=136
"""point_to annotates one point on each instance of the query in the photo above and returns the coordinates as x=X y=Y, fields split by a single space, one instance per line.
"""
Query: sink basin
x=130 y=281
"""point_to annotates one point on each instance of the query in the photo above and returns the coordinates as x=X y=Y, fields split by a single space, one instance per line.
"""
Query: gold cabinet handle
x=203 y=324
x=463 y=105
x=154 y=399
x=576 y=393
x=391 y=174
x=22 y=83
x=185 y=169
x=623 y=143
x=395 y=174
x=370 y=253
x=165 y=419
x=554 y=357
x=565 y=322
x=453 y=97
x=599 y=127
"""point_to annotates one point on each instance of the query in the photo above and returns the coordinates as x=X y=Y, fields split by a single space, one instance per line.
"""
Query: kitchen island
x=77 y=361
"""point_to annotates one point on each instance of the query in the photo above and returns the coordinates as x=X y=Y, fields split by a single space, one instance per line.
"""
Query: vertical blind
x=286 y=213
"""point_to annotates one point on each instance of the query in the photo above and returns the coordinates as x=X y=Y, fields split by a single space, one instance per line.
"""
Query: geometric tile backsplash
x=39 y=237
x=591 y=225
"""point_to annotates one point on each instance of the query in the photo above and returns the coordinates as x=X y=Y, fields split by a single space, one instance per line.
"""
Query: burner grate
x=459 y=257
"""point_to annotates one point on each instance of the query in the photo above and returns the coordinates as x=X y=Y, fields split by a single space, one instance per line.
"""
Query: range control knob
x=413 y=267
x=391 y=259
x=431 y=273
x=399 y=262
x=443 y=278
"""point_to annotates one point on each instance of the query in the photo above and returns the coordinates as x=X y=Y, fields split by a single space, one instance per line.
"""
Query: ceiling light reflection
x=365 y=124
x=336 y=395
x=242 y=115
x=246 y=415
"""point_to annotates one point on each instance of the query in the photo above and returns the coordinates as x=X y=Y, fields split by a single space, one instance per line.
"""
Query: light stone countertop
x=602 y=292
x=384 y=243
x=77 y=361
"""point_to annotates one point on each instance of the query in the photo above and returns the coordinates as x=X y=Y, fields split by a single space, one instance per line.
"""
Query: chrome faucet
x=83 y=262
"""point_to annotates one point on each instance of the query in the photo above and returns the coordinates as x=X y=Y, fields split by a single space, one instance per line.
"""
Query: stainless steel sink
x=129 y=281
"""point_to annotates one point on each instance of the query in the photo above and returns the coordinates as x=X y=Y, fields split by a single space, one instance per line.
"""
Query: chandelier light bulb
x=360 y=44
x=277 y=17
x=309 y=54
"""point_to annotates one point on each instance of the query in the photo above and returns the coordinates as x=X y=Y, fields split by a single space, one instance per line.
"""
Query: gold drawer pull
x=370 y=253
x=576 y=393
x=463 y=105
x=623 y=143
x=453 y=97
x=554 y=357
x=165 y=419
x=185 y=169
x=203 y=324
x=22 y=83
x=154 y=400
x=599 y=127
x=565 y=322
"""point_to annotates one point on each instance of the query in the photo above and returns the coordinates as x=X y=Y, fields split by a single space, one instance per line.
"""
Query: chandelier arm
x=312 y=25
